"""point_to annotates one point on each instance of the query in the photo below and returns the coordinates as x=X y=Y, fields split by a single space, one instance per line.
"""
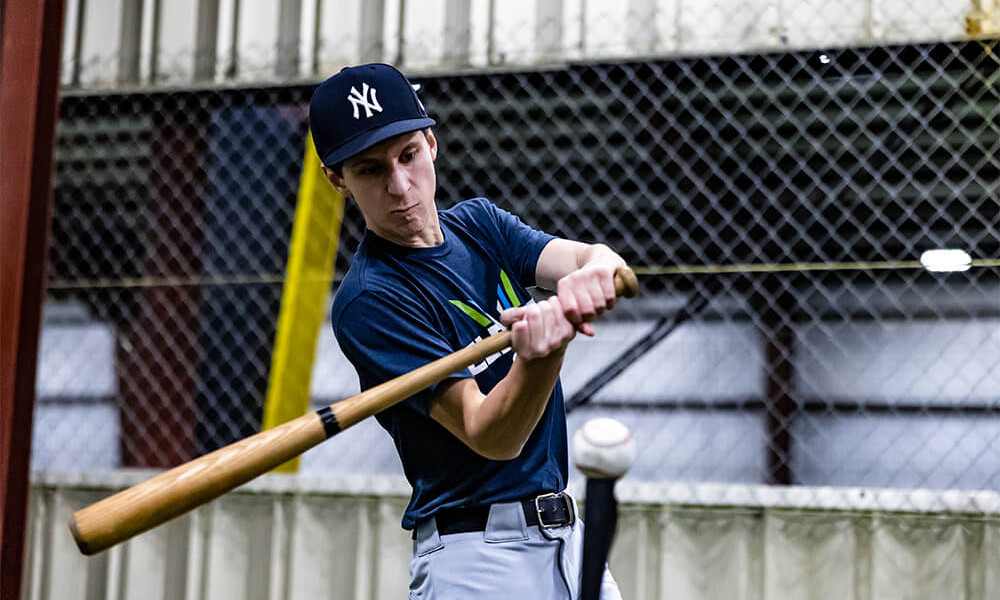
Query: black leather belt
x=547 y=510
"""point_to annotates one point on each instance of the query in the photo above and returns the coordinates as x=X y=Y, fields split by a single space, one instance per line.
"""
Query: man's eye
x=372 y=170
x=408 y=155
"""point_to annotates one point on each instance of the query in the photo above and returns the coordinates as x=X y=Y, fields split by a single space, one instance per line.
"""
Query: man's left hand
x=585 y=294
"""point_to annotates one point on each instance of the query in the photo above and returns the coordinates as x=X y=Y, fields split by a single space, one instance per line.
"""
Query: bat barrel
x=175 y=492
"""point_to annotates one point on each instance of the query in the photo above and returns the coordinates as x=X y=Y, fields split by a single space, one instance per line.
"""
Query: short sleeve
x=384 y=338
x=523 y=242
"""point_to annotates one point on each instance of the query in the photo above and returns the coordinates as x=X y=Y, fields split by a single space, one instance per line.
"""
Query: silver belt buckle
x=569 y=510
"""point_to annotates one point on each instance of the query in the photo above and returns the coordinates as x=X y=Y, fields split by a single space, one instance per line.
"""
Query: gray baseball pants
x=509 y=560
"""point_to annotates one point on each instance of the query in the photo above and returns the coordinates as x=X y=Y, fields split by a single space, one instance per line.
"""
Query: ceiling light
x=947 y=260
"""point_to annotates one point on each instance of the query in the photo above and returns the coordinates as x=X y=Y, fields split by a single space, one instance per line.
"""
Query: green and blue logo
x=506 y=298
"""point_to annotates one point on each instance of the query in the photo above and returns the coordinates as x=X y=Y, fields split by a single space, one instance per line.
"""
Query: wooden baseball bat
x=197 y=482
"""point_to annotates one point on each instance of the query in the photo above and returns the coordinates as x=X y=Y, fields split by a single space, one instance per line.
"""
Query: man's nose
x=399 y=183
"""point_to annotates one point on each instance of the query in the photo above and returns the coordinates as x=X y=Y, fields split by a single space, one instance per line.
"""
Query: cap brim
x=370 y=138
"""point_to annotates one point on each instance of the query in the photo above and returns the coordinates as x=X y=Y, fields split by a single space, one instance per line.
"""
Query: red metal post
x=29 y=81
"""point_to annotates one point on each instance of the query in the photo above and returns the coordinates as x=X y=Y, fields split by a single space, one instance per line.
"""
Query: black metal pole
x=600 y=519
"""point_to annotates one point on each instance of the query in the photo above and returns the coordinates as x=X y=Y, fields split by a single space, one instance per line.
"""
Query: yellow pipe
x=312 y=251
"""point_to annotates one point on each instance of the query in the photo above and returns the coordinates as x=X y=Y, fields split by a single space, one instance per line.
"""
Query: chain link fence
x=776 y=205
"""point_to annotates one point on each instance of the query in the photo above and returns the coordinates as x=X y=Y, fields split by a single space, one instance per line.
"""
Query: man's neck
x=429 y=237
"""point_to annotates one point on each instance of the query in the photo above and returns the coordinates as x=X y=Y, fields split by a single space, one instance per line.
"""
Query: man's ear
x=336 y=181
x=432 y=142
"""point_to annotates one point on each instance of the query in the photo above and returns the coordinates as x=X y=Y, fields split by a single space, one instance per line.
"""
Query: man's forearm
x=562 y=257
x=509 y=413
x=599 y=255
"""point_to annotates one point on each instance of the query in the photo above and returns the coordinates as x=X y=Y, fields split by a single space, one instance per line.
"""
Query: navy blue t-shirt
x=399 y=308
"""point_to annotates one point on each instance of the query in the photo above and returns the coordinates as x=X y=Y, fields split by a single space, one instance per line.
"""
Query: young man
x=486 y=450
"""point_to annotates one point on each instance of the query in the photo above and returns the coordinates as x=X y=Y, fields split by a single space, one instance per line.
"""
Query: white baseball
x=603 y=448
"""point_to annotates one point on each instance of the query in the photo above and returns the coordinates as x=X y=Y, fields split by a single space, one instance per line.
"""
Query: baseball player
x=486 y=450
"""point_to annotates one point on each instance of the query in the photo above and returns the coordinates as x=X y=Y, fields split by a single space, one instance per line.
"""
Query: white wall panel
x=75 y=436
x=76 y=360
x=177 y=40
x=333 y=377
x=707 y=555
x=101 y=39
x=921 y=19
x=514 y=31
x=424 y=33
x=928 y=451
x=912 y=555
x=258 y=38
x=339 y=25
x=819 y=24
x=710 y=361
x=712 y=27
x=815 y=556
x=676 y=27
x=686 y=445
x=294 y=538
x=938 y=362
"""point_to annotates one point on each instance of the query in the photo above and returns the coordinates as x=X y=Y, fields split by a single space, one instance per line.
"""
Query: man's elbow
x=496 y=449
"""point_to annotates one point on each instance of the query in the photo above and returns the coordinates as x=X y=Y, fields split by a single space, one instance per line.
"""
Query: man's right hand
x=538 y=329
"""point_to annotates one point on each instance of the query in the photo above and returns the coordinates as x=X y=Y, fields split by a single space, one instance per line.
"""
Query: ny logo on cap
x=361 y=99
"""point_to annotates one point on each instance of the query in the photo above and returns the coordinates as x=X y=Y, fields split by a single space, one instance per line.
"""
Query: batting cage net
x=776 y=204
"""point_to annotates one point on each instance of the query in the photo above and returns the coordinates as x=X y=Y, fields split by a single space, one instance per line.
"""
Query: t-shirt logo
x=506 y=298
x=359 y=99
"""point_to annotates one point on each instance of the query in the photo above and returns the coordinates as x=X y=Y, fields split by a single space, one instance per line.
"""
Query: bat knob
x=626 y=283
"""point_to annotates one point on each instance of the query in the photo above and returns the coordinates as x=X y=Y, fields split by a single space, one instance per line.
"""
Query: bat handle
x=626 y=283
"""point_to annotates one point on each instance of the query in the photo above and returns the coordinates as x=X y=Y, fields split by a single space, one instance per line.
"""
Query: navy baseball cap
x=360 y=107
